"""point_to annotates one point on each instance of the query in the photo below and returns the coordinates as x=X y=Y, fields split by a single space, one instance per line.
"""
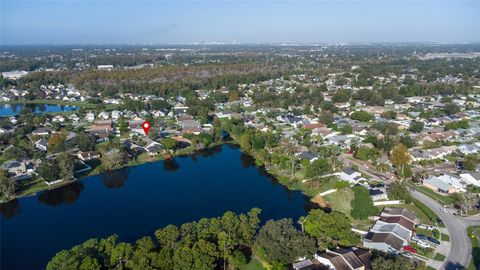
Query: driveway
x=460 y=252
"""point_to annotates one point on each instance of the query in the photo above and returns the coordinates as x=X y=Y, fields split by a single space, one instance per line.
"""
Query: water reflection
x=66 y=194
x=10 y=209
x=247 y=160
x=170 y=165
x=115 y=179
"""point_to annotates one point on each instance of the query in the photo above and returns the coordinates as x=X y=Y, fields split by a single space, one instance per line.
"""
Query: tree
x=56 y=142
x=396 y=263
x=346 y=129
x=362 y=116
x=330 y=229
x=85 y=142
x=48 y=170
x=366 y=153
x=167 y=236
x=400 y=157
x=114 y=158
x=169 y=143
x=389 y=115
x=470 y=163
x=398 y=190
x=279 y=242
x=362 y=204
x=66 y=163
x=318 y=167
x=7 y=185
x=416 y=126
x=123 y=125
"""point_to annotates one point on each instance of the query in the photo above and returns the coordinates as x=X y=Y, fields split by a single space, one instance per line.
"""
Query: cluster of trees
x=206 y=244
x=215 y=243
x=7 y=185
x=398 y=190
x=61 y=167
x=366 y=153
x=461 y=124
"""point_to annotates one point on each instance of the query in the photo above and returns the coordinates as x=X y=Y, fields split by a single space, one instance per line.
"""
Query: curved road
x=460 y=252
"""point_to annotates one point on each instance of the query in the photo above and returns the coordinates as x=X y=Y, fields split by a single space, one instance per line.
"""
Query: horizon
x=236 y=23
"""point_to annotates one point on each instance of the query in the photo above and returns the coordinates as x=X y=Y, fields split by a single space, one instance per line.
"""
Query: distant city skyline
x=167 y=22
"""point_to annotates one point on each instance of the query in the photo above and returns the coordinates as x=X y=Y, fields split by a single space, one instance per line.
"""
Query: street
x=460 y=252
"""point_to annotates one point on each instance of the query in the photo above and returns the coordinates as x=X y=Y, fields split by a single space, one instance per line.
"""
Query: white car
x=407 y=255
x=423 y=244
x=445 y=210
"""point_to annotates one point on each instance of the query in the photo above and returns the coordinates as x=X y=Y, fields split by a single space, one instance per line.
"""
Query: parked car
x=433 y=240
x=419 y=237
x=409 y=249
x=407 y=255
x=445 y=210
x=423 y=244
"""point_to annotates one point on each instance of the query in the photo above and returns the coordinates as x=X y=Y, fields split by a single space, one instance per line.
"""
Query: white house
x=350 y=175
x=90 y=117
x=471 y=178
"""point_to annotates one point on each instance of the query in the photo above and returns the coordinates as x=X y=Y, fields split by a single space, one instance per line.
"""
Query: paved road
x=364 y=167
x=461 y=249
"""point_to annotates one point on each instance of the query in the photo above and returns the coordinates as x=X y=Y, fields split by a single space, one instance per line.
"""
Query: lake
x=15 y=109
x=133 y=202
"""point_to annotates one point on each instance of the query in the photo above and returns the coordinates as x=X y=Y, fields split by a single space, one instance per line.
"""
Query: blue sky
x=269 y=21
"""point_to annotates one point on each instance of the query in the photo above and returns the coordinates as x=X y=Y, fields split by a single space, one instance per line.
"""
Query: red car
x=409 y=249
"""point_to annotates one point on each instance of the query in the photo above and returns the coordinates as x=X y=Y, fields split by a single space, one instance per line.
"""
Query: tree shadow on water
x=67 y=194
x=10 y=209
x=116 y=178
x=170 y=165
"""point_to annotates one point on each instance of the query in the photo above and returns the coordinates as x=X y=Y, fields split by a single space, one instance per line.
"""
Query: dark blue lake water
x=136 y=201
x=15 y=109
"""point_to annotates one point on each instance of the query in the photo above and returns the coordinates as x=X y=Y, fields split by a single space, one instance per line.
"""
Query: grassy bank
x=438 y=197
x=474 y=235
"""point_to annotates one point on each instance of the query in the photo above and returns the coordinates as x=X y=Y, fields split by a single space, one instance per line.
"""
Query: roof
x=382 y=227
x=437 y=182
x=336 y=260
x=406 y=223
x=348 y=171
x=307 y=155
x=350 y=257
x=387 y=238
x=388 y=211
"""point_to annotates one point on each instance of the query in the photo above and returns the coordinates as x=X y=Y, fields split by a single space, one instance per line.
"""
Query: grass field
x=445 y=237
x=428 y=212
x=254 y=264
x=439 y=257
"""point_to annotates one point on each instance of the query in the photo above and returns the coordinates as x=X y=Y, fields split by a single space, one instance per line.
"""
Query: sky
x=268 y=21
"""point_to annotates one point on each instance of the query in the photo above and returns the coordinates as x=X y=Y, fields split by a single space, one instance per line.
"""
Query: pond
x=133 y=202
x=15 y=109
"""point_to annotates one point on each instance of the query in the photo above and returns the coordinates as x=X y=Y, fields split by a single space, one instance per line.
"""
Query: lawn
x=439 y=257
x=31 y=186
x=434 y=195
x=428 y=212
x=445 y=237
x=474 y=235
x=254 y=264
x=340 y=201
x=426 y=252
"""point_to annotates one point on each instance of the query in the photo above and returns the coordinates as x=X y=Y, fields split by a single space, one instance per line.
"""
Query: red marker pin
x=146 y=127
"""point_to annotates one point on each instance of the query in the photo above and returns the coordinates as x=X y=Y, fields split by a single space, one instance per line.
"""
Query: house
x=311 y=157
x=41 y=144
x=397 y=212
x=345 y=259
x=350 y=175
x=41 y=131
x=378 y=194
x=191 y=126
x=19 y=170
x=4 y=130
x=86 y=156
x=74 y=118
x=180 y=109
x=116 y=115
x=472 y=178
x=102 y=130
x=58 y=118
x=90 y=117
x=152 y=147
x=445 y=183
x=386 y=242
x=104 y=115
